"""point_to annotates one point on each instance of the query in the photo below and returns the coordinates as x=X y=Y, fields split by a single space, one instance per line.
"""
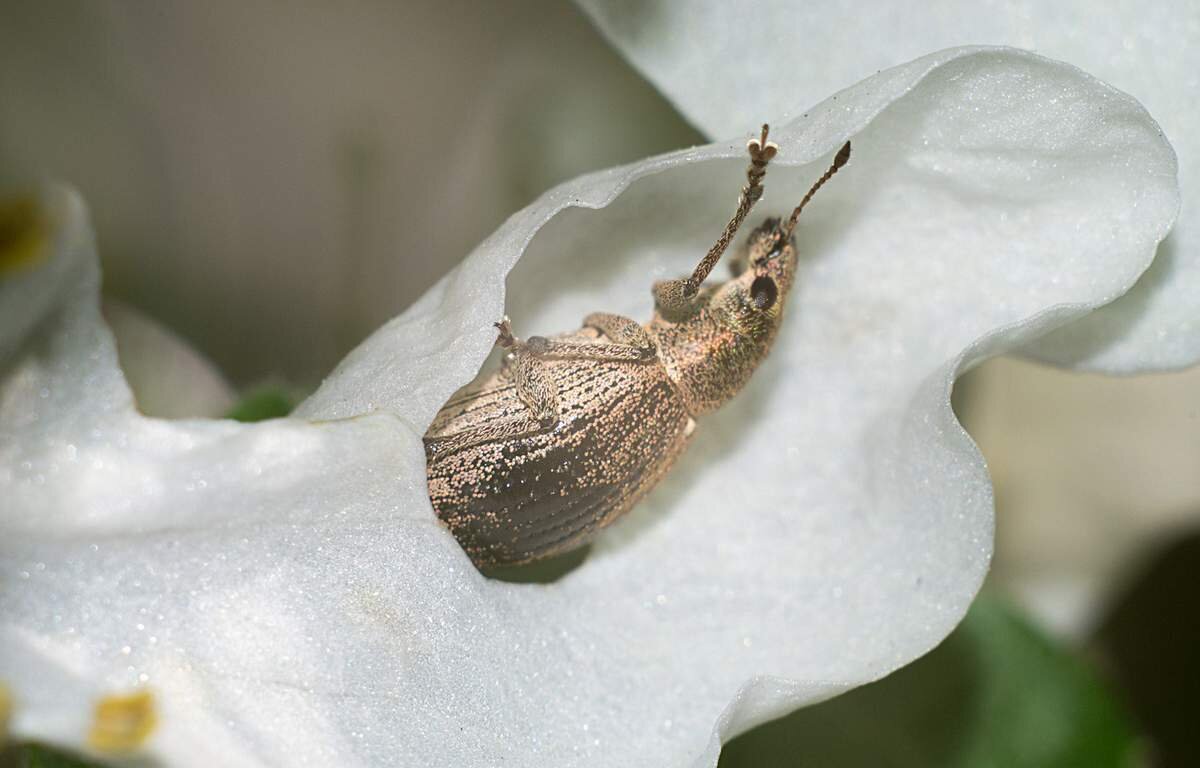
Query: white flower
x=702 y=55
x=286 y=596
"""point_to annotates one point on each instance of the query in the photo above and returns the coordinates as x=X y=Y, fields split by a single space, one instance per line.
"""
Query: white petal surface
x=729 y=62
x=286 y=592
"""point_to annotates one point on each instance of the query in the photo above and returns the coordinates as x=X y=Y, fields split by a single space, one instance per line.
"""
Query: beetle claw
x=506 y=338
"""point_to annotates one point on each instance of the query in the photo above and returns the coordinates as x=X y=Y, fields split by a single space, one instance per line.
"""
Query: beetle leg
x=623 y=331
x=534 y=385
x=676 y=299
x=536 y=391
x=510 y=429
x=634 y=345
x=589 y=350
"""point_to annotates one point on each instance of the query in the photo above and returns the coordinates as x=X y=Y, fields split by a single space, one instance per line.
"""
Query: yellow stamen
x=6 y=708
x=122 y=723
x=23 y=234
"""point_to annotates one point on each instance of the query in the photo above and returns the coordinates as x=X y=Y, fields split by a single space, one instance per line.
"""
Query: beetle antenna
x=839 y=160
x=761 y=152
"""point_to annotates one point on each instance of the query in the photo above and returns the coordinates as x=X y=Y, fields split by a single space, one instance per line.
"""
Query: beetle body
x=533 y=459
x=527 y=492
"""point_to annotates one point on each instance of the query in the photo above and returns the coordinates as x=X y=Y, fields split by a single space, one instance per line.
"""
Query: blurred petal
x=169 y=378
x=729 y=64
x=1083 y=501
x=285 y=592
x=274 y=180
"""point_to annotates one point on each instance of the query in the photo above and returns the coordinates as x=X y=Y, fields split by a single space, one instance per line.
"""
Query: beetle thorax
x=712 y=354
x=708 y=360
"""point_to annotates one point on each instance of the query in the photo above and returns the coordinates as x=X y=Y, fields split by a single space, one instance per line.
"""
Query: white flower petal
x=726 y=64
x=289 y=597
x=169 y=377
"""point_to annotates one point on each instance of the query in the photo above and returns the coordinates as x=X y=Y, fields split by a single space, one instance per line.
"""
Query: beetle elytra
x=573 y=430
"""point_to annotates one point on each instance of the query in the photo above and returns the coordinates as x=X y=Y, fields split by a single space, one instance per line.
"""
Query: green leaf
x=997 y=693
x=263 y=404
x=40 y=756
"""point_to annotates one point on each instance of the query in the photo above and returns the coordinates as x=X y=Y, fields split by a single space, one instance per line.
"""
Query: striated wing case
x=511 y=490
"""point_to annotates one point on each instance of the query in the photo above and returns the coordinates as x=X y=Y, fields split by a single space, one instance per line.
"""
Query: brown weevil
x=573 y=430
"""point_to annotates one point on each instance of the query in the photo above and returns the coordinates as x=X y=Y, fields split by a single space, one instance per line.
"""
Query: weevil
x=571 y=431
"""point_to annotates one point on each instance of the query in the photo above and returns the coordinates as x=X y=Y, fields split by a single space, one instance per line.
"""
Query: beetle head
x=712 y=350
x=763 y=272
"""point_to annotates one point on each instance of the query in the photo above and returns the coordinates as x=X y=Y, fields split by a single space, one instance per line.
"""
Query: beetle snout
x=771 y=251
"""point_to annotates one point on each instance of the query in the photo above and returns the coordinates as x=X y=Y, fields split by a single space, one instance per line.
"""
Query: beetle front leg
x=676 y=299
x=623 y=331
x=589 y=350
x=534 y=385
x=535 y=390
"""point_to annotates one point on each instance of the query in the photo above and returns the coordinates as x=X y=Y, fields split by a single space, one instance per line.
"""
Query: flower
x=700 y=59
x=283 y=589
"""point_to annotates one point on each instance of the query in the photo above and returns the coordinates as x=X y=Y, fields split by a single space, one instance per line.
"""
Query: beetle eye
x=763 y=293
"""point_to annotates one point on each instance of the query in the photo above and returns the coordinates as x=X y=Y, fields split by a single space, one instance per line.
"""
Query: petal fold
x=726 y=63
